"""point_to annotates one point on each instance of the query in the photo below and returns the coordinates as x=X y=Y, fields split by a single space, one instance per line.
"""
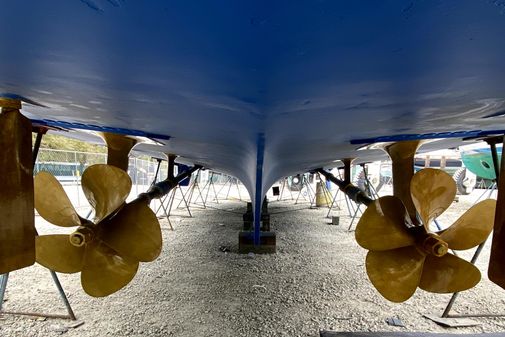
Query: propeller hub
x=81 y=236
x=434 y=245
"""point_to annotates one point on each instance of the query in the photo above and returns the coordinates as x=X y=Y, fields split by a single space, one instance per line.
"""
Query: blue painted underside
x=314 y=77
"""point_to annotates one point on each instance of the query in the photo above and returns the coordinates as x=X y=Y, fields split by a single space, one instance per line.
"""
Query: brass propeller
x=402 y=257
x=106 y=252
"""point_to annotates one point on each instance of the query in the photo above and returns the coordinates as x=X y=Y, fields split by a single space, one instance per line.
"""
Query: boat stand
x=370 y=191
x=326 y=191
x=190 y=192
x=489 y=191
x=311 y=194
x=209 y=185
x=5 y=277
x=336 y=203
x=167 y=204
x=284 y=186
x=232 y=181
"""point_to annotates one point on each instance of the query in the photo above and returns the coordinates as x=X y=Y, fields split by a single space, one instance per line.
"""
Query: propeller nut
x=434 y=245
x=81 y=236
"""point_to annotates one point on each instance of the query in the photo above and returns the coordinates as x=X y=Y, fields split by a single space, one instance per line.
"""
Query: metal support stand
x=349 y=204
x=284 y=186
x=489 y=191
x=310 y=191
x=188 y=197
x=169 y=199
x=3 y=286
x=333 y=204
x=492 y=144
x=370 y=191
x=157 y=171
x=326 y=191
x=231 y=180
x=57 y=283
x=210 y=186
x=153 y=206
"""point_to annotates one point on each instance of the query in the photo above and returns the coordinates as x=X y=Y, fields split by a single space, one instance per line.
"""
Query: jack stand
x=284 y=186
x=173 y=191
x=311 y=194
x=152 y=183
x=3 y=286
x=349 y=203
x=369 y=190
x=333 y=204
x=231 y=180
x=167 y=209
x=210 y=185
x=489 y=191
x=325 y=190
x=190 y=192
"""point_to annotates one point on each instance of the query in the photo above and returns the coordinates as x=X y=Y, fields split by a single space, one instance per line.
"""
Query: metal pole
x=136 y=176
x=494 y=155
x=354 y=217
x=157 y=171
x=455 y=295
x=63 y=295
x=238 y=190
x=77 y=182
x=3 y=287
x=282 y=189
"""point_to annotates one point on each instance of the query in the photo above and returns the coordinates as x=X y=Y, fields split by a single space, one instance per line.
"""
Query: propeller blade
x=133 y=232
x=432 y=191
x=395 y=273
x=56 y=253
x=17 y=231
x=104 y=272
x=472 y=228
x=52 y=202
x=448 y=274
x=382 y=225
x=106 y=187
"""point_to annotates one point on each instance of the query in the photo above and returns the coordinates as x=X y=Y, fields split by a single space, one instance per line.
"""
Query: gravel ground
x=316 y=280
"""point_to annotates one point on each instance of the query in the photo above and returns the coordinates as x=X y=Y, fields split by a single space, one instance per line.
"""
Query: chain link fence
x=68 y=167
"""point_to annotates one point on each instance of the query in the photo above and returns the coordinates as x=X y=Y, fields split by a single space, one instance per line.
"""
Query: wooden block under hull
x=267 y=243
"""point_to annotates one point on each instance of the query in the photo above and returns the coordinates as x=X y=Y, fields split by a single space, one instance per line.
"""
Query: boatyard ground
x=315 y=281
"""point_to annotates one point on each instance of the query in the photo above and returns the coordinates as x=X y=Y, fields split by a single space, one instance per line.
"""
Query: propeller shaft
x=353 y=192
x=162 y=188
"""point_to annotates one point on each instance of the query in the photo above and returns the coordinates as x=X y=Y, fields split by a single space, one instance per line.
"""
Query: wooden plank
x=17 y=222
